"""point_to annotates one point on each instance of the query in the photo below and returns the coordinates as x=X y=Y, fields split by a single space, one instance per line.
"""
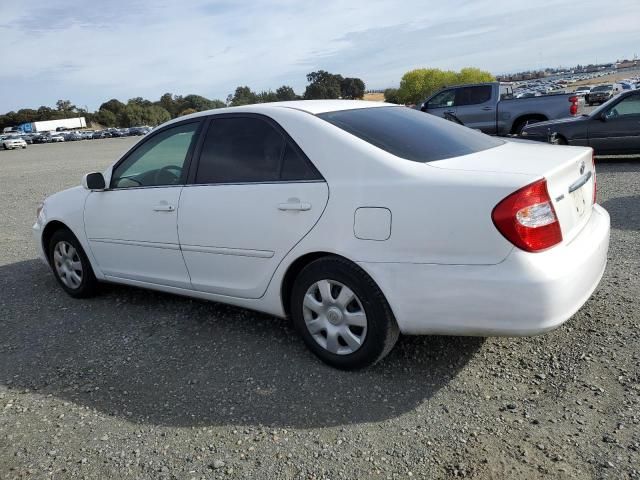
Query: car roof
x=310 y=106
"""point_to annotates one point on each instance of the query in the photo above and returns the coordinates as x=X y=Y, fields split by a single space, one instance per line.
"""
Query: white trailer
x=52 y=125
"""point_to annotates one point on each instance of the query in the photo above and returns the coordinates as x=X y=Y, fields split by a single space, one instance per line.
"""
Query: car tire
x=70 y=265
x=347 y=329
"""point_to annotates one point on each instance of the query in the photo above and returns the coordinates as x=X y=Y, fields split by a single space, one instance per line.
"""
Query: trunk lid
x=569 y=172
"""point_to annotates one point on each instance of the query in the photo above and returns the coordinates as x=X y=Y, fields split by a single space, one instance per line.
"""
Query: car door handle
x=163 y=207
x=450 y=112
x=486 y=109
x=295 y=206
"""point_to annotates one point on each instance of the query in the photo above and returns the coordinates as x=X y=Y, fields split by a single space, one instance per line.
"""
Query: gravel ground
x=136 y=384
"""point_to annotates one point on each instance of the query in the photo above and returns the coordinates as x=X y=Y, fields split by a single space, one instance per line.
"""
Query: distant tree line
x=140 y=111
x=415 y=86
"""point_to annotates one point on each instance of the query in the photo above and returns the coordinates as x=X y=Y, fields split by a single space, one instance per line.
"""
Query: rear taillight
x=527 y=218
x=595 y=183
x=573 y=109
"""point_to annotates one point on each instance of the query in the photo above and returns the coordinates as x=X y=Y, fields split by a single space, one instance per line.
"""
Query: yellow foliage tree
x=418 y=84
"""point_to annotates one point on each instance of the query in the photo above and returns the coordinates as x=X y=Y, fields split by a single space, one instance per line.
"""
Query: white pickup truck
x=492 y=108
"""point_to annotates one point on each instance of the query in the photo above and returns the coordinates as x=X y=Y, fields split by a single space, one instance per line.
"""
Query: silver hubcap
x=68 y=264
x=334 y=317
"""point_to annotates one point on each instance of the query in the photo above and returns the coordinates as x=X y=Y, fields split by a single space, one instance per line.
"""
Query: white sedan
x=358 y=220
x=12 y=142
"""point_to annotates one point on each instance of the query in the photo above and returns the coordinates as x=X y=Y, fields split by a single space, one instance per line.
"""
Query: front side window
x=159 y=161
x=443 y=99
x=626 y=107
x=249 y=150
x=410 y=134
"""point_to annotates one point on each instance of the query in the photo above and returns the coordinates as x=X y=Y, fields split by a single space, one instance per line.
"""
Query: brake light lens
x=527 y=218
x=573 y=109
x=595 y=182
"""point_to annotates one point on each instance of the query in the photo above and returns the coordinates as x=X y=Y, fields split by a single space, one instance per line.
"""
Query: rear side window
x=473 y=95
x=411 y=134
x=250 y=149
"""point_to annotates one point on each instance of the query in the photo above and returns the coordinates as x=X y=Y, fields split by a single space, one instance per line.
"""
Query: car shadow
x=624 y=212
x=161 y=359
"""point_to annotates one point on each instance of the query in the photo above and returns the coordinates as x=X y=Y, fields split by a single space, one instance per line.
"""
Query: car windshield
x=602 y=88
x=410 y=134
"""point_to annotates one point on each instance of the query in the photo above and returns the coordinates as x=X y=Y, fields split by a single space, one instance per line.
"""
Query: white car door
x=132 y=225
x=252 y=197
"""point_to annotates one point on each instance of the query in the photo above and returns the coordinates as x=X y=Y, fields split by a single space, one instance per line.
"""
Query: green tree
x=106 y=117
x=285 y=93
x=266 y=97
x=65 y=106
x=113 y=105
x=352 y=88
x=391 y=95
x=187 y=111
x=419 y=84
x=323 y=85
x=243 y=96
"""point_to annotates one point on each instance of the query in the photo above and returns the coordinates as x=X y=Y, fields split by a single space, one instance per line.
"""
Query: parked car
x=41 y=138
x=489 y=237
x=137 y=131
x=491 y=108
x=613 y=128
x=101 y=134
x=27 y=138
x=599 y=94
x=57 y=137
x=71 y=136
x=583 y=91
x=11 y=142
x=87 y=134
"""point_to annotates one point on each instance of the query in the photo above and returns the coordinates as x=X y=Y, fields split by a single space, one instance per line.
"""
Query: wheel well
x=519 y=122
x=292 y=272
x=51 y=228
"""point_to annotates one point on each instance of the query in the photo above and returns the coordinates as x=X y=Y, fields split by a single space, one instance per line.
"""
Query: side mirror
x=93 y=181
x=603 y=117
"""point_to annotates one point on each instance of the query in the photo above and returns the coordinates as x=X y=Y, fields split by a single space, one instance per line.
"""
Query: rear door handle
x=295 y=206
x=164 y=207
x=486 y=109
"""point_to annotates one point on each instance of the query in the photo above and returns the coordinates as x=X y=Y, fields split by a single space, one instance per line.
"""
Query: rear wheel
x=342 y=315
x=70 y=265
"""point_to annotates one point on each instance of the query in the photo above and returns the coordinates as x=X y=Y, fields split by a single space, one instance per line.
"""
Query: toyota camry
x=359 y=221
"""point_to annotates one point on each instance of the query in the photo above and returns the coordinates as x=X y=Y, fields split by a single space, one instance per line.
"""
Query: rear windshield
x=603 y=88
x=410 y=134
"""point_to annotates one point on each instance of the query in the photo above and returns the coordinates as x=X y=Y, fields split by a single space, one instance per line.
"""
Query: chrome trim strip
x=136 y=243
x=240 y=252
x=580 y=182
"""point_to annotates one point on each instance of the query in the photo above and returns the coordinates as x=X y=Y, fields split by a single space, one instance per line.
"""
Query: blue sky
x=88 y=52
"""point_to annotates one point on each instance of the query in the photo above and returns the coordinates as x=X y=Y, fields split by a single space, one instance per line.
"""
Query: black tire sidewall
x=88 y=283
x=379 y=317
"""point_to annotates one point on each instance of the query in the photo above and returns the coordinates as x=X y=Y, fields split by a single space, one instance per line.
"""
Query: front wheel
x=342 y=315
x=70 y=265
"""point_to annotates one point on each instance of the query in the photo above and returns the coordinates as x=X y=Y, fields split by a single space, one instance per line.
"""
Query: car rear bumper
x=526 y=294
